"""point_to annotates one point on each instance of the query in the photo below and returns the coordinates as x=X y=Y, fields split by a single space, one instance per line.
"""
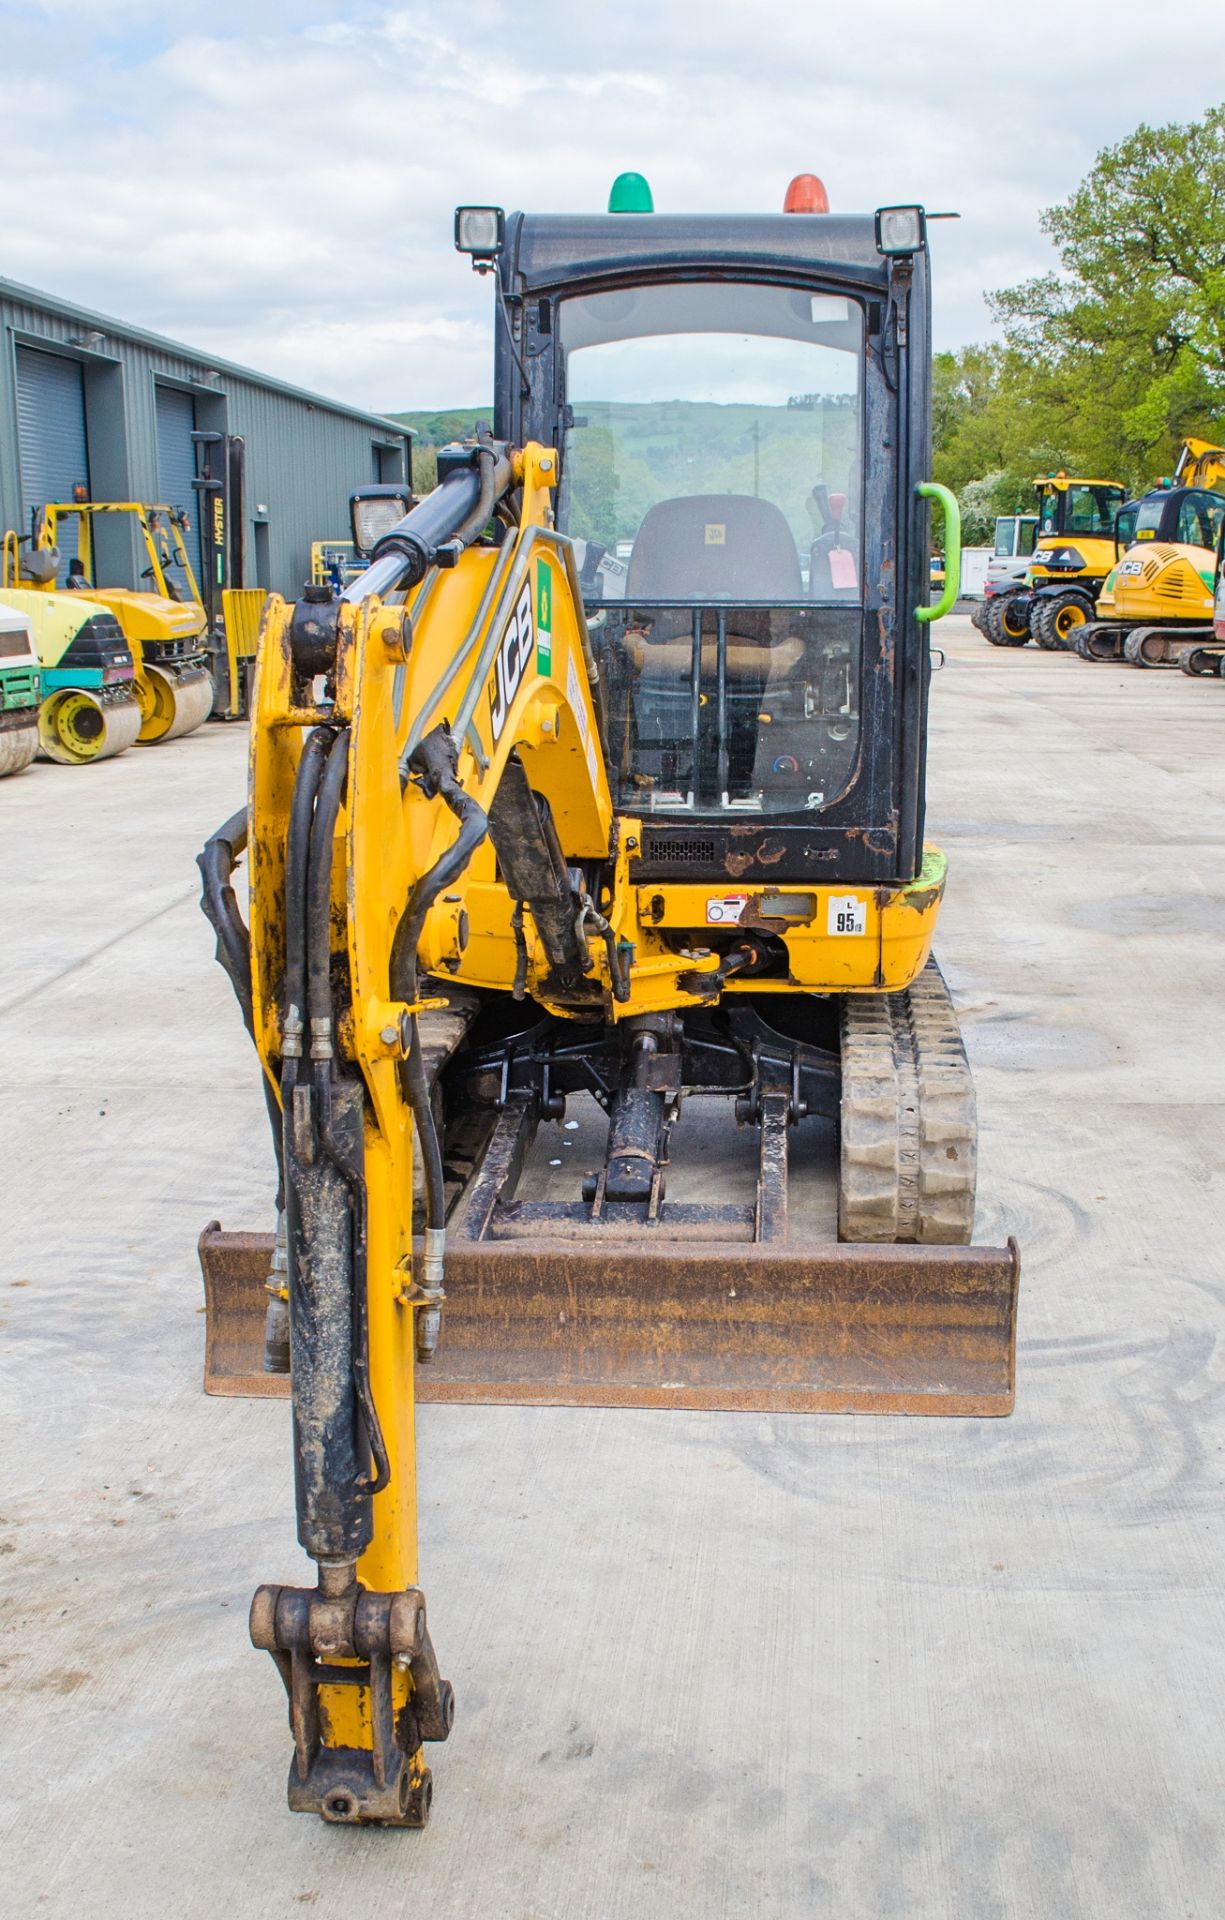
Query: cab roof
x=546 y=251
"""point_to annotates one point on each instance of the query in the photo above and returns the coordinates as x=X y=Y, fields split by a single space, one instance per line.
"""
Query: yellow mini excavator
x=602 y=784
x=1155 y=607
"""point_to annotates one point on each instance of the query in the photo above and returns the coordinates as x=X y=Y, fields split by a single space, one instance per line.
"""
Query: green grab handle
x=932 y=490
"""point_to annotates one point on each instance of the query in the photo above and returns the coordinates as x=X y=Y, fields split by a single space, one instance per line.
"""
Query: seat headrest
x=714 y=546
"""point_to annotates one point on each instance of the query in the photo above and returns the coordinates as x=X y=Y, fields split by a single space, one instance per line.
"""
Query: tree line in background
x=1110 y=360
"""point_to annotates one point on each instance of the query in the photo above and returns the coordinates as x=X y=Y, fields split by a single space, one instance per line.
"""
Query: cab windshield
x=712 y=481
x=1085 y=508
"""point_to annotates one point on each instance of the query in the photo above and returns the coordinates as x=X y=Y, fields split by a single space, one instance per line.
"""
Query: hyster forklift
x=603 y=783
x=1156 y=604
x=1073 y=552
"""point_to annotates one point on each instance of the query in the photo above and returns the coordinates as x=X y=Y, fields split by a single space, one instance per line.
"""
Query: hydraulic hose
x=297 y=856
x=217 y=862
x=434 y=763
x=487 y=461
x=319 y=898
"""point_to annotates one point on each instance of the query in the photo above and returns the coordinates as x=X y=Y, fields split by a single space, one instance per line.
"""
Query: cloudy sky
x=275 y=182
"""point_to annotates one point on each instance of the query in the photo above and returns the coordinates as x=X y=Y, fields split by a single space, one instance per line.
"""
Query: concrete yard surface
x=707 y=1665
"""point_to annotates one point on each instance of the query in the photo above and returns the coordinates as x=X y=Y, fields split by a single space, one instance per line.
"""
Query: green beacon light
x=630 y=194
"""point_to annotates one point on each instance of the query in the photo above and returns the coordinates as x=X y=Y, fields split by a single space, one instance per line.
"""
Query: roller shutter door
x=176 y=462
x=51 y=426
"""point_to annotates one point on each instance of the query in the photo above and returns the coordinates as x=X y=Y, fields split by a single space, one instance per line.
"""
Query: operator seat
x=714 y=546
x=709 y=550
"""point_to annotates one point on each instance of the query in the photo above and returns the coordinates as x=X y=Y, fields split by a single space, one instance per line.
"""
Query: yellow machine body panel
x=151 y=616
x=1098 y=558
x=1159 y=580
x=242 y=611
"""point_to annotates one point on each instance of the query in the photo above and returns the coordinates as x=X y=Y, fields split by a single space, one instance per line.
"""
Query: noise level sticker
x=847 y=914
x=725 y=909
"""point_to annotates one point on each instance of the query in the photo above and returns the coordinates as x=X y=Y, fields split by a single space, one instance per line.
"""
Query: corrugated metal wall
x=304 y=455
x=51 y=426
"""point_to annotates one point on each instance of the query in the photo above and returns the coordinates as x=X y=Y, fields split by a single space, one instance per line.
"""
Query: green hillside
x=434 y=430
x=625 y=455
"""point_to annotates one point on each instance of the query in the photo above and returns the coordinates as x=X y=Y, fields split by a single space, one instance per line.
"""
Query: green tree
x=1122 y=348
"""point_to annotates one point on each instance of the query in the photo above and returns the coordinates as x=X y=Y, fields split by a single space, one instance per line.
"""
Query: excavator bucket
x=819 y=1329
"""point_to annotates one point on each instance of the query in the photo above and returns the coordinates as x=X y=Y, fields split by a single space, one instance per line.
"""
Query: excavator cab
x=747 y=570
x=1073 y=553
x=603 y=784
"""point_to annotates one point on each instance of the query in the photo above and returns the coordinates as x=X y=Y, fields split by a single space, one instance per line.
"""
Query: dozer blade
x=821 y=1329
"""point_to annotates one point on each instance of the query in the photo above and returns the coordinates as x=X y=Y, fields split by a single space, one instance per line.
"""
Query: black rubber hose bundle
x=217 y=862
x=297 y=857
x=434 y=765
x=319 y=883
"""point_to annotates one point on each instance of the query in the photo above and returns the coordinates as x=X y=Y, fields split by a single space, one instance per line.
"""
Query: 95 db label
x=725 y=909
x=846 y=914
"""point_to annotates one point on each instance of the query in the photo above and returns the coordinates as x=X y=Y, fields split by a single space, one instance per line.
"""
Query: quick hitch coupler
x=339 y=1634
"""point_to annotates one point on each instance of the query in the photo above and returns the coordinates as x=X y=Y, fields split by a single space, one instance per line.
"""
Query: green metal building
x=89 y=401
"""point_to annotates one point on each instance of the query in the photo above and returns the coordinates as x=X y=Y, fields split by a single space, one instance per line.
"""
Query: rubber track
x=909 y=1138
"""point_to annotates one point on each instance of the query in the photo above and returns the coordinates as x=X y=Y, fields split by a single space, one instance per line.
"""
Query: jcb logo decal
x=514 y=653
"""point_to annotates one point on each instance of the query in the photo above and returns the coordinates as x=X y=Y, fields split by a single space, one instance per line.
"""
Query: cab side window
x=1199 y=520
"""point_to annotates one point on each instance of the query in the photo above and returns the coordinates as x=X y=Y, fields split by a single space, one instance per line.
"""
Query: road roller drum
x=173 y=700
x=78 y=726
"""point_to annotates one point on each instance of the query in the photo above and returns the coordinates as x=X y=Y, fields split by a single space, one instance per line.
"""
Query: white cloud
x=275 y=183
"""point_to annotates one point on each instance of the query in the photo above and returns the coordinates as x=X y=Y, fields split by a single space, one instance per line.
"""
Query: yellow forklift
x=603 y=783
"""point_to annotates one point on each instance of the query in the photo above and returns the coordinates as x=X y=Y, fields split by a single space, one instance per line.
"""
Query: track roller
x=1149 y=647
x=173 y=701
x=77 y=727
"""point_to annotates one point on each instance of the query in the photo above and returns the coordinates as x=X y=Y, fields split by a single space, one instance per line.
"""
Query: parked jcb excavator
x=1156 y=603
x=605 y=780
x=1073 y=553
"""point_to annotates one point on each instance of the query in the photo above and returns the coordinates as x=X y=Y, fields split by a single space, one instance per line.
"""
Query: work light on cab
x=900 y=229
x=480 y=232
